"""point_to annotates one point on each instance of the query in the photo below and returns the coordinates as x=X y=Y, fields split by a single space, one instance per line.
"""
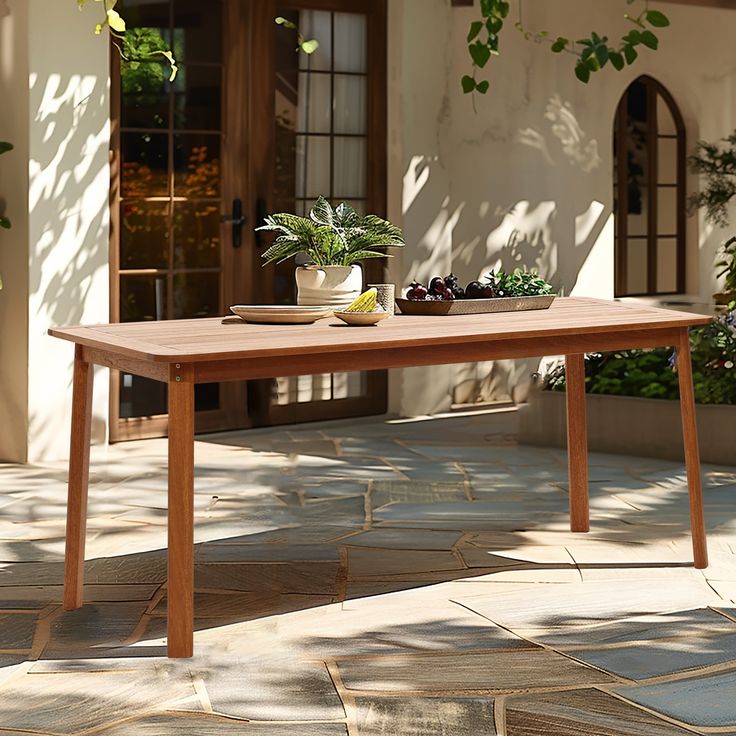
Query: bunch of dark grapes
x=417 y=292
x=448 y=288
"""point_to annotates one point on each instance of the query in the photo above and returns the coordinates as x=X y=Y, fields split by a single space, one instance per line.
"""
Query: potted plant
x=334 y=241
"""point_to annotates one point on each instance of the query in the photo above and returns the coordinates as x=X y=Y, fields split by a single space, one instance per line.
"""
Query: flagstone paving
x=373 y=578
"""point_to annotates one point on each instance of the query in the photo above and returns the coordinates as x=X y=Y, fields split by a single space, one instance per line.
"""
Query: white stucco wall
x=14 y=242
x=419 y=178
x=60 y=70
x=527 y=179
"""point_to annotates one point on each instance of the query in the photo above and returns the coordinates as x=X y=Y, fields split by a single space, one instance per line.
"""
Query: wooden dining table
x=182 y=353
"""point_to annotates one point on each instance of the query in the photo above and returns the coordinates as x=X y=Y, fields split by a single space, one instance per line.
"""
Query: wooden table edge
x=148 y=352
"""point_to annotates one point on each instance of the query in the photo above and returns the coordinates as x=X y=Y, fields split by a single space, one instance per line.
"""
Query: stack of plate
x=280 y=314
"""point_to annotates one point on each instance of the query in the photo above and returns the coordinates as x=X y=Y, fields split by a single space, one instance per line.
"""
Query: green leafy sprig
x=595 y=52
x=307 y=45
x=518 y=283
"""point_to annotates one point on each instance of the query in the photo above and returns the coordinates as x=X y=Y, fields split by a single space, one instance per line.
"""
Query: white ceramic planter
x=335 y=286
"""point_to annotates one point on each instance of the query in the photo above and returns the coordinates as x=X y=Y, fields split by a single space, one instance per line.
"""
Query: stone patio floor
x=373 y=578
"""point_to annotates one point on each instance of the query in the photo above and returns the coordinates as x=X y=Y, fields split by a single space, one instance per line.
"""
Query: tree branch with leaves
x=136 y=45
x=593 y=52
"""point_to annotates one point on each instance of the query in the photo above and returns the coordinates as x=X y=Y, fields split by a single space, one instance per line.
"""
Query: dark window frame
x=654 y=90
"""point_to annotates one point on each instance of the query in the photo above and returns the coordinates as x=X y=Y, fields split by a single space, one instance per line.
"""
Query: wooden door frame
x=232 y=413
x=247 y=172
x=375 y=400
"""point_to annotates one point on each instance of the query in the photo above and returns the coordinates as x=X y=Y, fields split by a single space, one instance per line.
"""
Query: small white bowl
x=356 y=319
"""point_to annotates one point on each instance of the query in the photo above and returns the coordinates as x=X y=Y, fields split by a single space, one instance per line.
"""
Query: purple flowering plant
x=652 y=373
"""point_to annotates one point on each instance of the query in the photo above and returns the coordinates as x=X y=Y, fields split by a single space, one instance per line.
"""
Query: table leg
x=577 y=443
x=76 y=508
x=692 y=454
x=180 y=590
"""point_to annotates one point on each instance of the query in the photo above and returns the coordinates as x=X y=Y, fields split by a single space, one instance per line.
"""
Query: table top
x=198 y=340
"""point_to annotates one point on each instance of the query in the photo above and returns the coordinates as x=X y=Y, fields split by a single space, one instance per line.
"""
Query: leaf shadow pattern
x=333 y=585
x=525 y=221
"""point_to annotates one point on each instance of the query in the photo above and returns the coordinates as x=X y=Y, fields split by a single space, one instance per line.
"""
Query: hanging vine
x=136 y=45
x=593 y=53
x=305 y=45
x=144 y=44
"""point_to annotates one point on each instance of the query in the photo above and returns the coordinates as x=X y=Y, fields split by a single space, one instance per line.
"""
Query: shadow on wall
x=543 y=218
x=576 y=146
x=68 y=204
x=65 y=190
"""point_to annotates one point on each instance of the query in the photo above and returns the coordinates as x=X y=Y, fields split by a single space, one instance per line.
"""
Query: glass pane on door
x=321 y=149
x=170 y=258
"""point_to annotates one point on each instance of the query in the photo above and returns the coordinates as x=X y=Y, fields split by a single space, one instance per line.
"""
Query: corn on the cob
x=366 y=302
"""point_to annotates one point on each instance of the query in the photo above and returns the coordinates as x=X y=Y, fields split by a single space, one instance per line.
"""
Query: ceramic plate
x=361 y=318
x=280 y=314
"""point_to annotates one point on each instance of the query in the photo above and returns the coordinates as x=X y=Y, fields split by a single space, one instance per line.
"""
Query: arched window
x=649 y=192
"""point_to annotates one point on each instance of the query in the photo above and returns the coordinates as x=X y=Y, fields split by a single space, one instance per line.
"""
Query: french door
x=249 y=126
x=329 y=137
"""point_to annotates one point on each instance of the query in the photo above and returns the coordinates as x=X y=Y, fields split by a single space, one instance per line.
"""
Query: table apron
x=378 y=358
x=110 y=359
x=420 y=355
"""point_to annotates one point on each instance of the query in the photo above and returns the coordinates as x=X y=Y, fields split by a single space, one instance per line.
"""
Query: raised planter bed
x=630 y=426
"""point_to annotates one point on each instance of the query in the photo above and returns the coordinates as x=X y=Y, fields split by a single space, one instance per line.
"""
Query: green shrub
x=651 y=373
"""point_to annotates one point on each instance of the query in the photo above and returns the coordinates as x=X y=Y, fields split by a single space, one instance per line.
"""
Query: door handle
x=237 y=220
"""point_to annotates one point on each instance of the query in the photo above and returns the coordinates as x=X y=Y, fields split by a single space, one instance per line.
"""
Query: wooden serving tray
x=476 y=306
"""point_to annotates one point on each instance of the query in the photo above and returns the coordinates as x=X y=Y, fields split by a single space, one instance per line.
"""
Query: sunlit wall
x=14 y=242
x=59 y=70
x=527 y=178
